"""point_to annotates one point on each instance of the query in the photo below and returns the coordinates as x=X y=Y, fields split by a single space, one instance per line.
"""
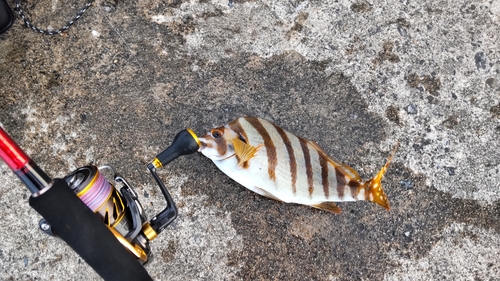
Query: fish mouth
x=203 y=144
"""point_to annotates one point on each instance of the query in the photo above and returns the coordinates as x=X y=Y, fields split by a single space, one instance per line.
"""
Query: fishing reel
x=117 y=205
x=102 y=220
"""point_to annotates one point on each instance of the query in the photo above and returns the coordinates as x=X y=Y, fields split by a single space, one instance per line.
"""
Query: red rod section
x=26 y=170
x=11 y=153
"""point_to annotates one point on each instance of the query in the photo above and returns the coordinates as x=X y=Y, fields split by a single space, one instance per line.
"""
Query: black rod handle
x=84 y=231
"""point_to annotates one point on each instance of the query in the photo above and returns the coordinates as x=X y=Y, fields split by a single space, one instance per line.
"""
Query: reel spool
x=100 y=196
x=119 y=210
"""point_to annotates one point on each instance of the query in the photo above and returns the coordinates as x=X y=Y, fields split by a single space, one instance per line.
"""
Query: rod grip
x=84 y=231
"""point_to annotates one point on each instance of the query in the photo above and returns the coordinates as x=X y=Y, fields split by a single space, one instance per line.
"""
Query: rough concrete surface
x=355 y=76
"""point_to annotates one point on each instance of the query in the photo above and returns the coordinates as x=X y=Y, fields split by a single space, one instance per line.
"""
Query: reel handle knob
x=185 y=142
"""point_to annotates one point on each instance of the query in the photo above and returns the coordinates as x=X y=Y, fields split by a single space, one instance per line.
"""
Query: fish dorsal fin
x=243 y=151
x=329 y=207
x=348 y=171
x=344 y=169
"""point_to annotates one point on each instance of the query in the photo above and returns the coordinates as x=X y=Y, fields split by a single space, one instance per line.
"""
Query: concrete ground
x=356 y=77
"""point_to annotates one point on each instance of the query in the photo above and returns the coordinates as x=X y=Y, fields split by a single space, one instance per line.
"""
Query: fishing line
x=98 y=194
x=130 y=51
x=95 y=192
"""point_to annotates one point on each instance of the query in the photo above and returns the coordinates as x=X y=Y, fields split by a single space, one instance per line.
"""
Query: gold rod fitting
x=195 y=137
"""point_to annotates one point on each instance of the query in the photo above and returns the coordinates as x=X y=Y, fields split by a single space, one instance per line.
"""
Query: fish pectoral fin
x=266 y=194
x=244 y=152
x=329 y=207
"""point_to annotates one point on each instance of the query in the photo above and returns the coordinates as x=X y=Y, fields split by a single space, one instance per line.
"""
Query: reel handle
x=185 y=142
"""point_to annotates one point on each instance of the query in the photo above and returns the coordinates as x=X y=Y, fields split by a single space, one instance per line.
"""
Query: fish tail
x=373 y=188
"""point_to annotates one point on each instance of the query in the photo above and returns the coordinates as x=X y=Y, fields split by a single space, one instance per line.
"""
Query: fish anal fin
x=329 y=207
x=244 y=152
x=266 y=194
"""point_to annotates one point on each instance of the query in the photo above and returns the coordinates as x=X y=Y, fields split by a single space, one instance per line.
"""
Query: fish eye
x=217 y=133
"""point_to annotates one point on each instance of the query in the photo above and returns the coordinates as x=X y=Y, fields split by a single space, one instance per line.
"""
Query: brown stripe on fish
x=355 y=187
x=268 y=143
x=340 y=183
x=215 y=143
x=221 y=142
x=291 y=156
x=307 y=159
x=236 y=127
x=323 y=161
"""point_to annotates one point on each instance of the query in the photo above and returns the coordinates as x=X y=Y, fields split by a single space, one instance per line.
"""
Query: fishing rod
x=101 y=220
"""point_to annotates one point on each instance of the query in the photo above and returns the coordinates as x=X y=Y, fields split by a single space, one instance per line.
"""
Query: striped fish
x=277 y=164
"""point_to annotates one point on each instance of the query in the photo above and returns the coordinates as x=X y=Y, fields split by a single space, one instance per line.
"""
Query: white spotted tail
x=277 y=164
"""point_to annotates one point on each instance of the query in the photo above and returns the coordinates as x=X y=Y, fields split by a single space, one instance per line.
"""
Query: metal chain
x=60 y=31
